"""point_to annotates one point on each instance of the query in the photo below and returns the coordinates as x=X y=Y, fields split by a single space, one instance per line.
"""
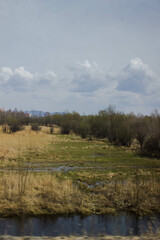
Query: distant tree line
x=118 y=128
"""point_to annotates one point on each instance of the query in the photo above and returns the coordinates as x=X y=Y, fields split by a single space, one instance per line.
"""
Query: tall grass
x=37 y=195
x=45 y=194
x=17 y=144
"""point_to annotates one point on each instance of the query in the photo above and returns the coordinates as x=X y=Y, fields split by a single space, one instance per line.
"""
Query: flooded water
x=61 y=168
x=94 y=225
x=34 y=167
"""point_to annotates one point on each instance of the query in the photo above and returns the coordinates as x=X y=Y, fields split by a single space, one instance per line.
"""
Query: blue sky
x=81 y=55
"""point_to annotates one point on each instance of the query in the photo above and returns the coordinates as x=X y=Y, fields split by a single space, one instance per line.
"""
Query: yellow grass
x=38 y=194
x=15 y=144
x=34 y=195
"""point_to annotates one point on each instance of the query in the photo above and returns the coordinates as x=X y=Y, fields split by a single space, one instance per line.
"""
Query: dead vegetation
x=16 y=144
x=44 y=194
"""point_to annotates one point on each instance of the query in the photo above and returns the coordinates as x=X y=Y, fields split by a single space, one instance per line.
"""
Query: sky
x=80 y=55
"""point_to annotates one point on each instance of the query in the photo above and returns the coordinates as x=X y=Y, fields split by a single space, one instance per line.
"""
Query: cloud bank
x=21 y=80
x=85 y=88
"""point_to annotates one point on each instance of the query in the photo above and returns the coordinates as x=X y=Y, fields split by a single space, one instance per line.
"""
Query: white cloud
x=5 y=74
x=135 y=88
x=22 y=80
x=85 y=64
x=87 y=77
x=137 y=77
x=22 y=73
x=47 y=79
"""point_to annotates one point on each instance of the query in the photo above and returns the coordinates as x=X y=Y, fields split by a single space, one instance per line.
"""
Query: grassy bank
x=46 y=194
x=42 y=173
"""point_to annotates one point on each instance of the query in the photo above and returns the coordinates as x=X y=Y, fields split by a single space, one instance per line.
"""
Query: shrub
x=152 y=146
x=14 y=125
x=5 y=128
x=35 y=127
x=141 y=127
x=82 y=129
x=123 y=130
x=51 y=129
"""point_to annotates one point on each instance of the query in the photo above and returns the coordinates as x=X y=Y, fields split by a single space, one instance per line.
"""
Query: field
x=48 y=174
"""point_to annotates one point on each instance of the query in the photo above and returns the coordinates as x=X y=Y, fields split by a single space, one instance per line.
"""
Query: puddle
x=103 y=183
x=101 y=155
x=61 y=168
x=93 y=185
x=85 y=165
x=34 y=168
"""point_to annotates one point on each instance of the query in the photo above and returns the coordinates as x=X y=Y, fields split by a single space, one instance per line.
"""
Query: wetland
x=93 y=186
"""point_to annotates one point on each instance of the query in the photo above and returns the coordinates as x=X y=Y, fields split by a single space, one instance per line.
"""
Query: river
x=94 y=225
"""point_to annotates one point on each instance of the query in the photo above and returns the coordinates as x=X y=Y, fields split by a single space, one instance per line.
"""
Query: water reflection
x=92 y=225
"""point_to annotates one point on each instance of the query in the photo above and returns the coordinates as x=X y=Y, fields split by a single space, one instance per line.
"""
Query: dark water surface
x=94 y=225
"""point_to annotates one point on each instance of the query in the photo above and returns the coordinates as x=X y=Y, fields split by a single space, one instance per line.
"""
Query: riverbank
x=35 y=195
x=156 y=237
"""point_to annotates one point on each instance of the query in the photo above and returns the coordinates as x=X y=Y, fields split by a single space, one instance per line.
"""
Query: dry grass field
x=17 y=144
